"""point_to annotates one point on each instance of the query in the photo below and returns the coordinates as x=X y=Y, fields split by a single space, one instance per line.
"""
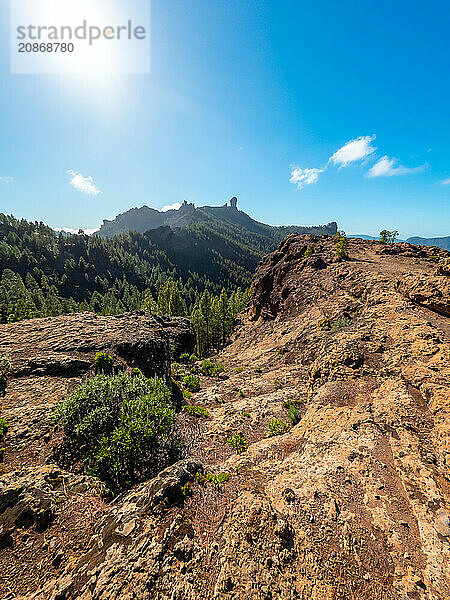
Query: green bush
x=278 y=427
x=341 y=246
x=3 y=427
x=388 y=237
x=193 y=358
x=177 y=371
x=238 y=443
x=103 y=362
x=340 y=322
x=120 y=427
x=210 y=368
x=184 y=358
x=241 y=394
x=238 y=370
x=307 y=253
x=258 y=370
x=200 y=477
x=191 y=383
x=186 y=489
x=294 y=415
x=197 y=411
x=288 y=403
x=217 y=480
x=277 y=384
x=335 y=324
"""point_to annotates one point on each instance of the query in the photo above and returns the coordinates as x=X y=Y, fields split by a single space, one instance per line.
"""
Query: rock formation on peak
x=146 y=219
x=348 y=499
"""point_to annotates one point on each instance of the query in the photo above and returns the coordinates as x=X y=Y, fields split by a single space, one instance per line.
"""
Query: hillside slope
x=441 y=242
x=45 y=274
x=352 y=502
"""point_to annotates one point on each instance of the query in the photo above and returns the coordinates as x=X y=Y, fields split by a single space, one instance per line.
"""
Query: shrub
x=184 y=358
x=246 y=414
x=294 y=415
x=388 y=237
x=335 y=324
x=258 y=370
x=340 y=322
x=238 y=370
x=210 y=368
x=191 y=383
x=307 y=253
x=278 y=427
x=136 y=372
x=120 y=427
x=217 y=480
x=200 y=478
x=103 y=362
x=241 y=394
x=177 y=371
x=197 y=411
x=186 y=489
x=187 y=395
x=288 y=403
x=3 y=427
x=238 y=443
x=341 y=246
x=193 y=358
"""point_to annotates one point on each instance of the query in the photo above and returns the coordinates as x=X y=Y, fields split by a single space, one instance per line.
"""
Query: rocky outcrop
x=32 y=496
x=431 y=291
x=49 y=358
x=125 y=541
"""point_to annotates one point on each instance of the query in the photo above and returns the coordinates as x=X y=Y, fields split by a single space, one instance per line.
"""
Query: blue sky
x=256 y=99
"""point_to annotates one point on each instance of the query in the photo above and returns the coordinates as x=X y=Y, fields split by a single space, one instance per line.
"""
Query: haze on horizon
x=308 y=112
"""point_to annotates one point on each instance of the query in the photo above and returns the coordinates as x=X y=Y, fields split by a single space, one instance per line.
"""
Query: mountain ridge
x=440 y=242
x=145 y=218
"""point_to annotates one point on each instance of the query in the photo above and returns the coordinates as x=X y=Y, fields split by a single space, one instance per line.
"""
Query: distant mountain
x=441 y=242
x=145 y=219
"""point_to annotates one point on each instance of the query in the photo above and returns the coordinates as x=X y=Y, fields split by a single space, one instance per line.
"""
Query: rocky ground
x=352 y=502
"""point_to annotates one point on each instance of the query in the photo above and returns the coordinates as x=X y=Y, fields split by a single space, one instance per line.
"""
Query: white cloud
x=6 y=180
x=83 y=184
x=174 y=206
x=302 y=177
x=446 y=181
x=385 y=167
x=70 y=230
x=354 y=150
